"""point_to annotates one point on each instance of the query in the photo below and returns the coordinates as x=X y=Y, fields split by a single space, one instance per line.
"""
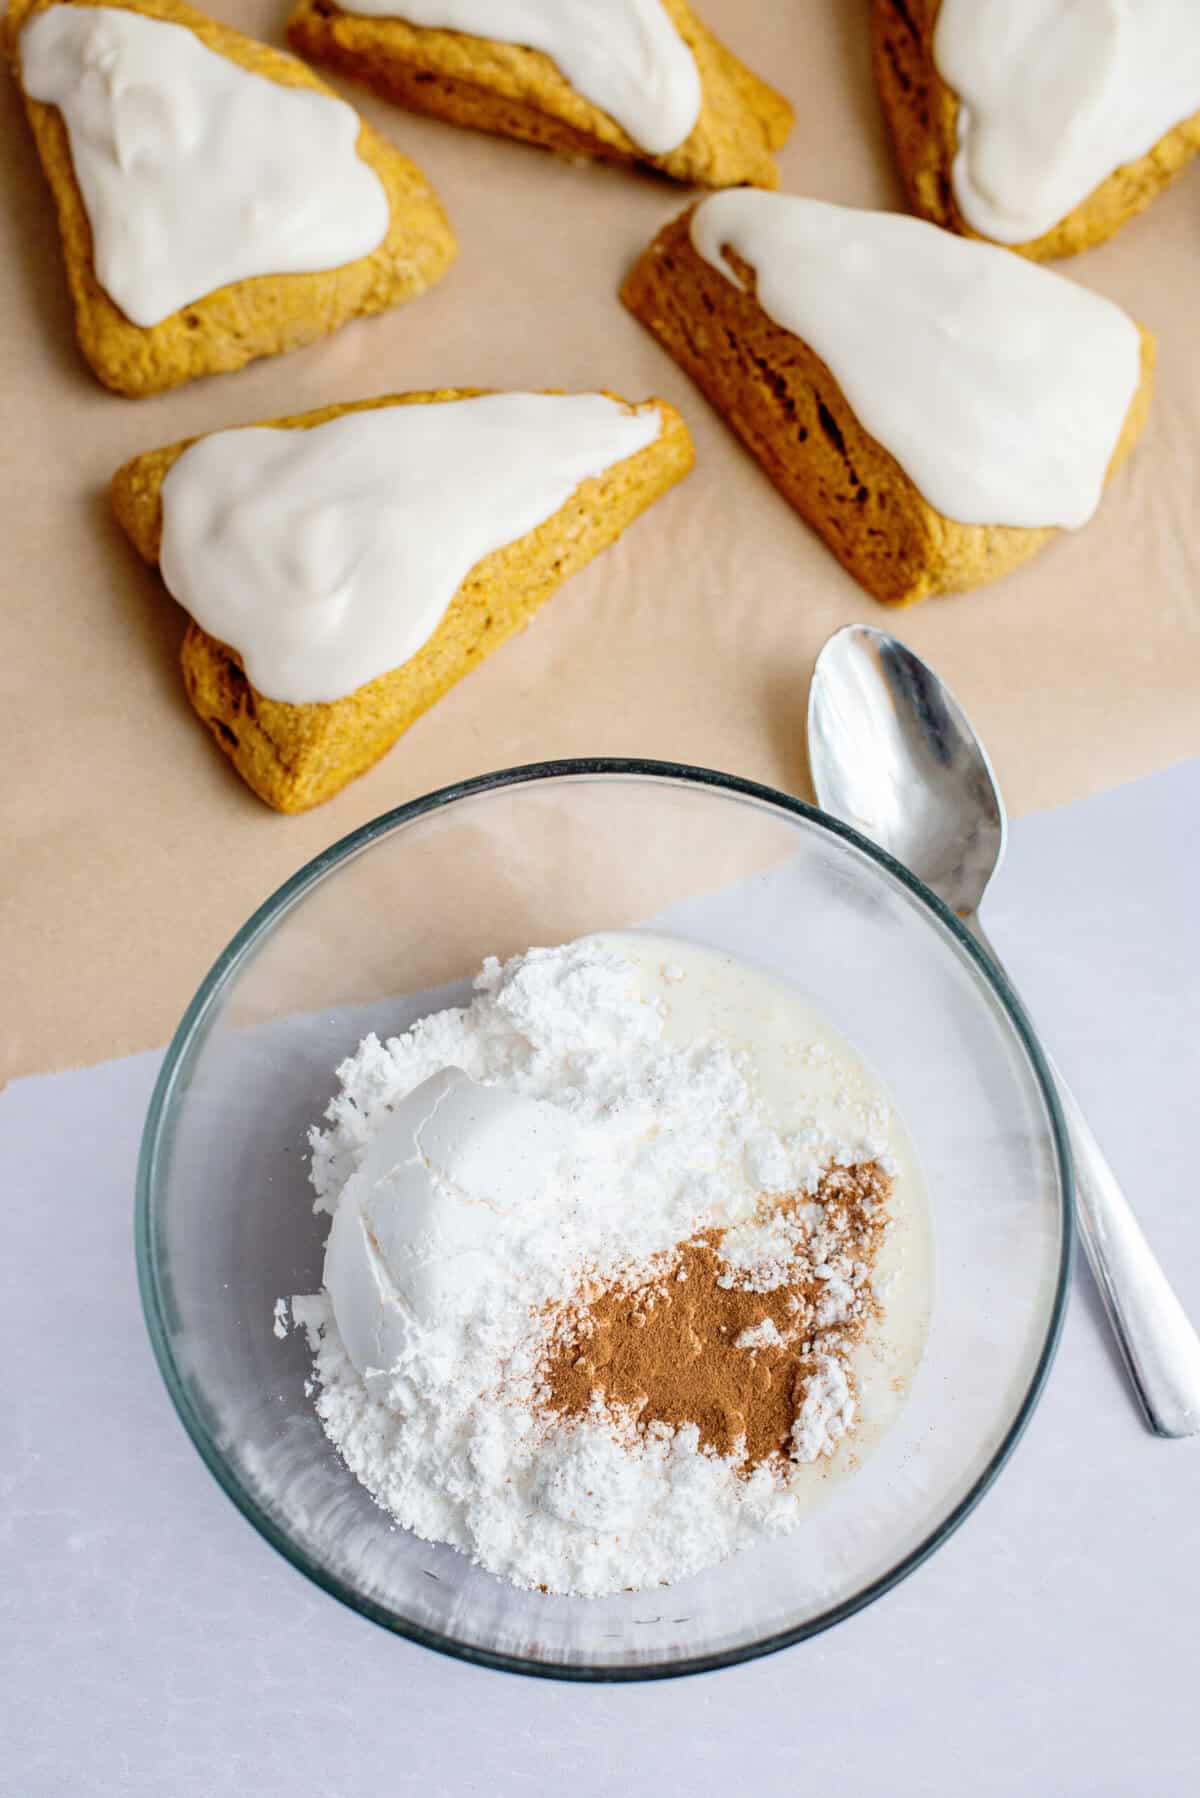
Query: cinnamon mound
x=665 y=1349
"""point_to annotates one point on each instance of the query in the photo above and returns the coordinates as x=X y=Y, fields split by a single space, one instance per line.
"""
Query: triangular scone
x=294 y=755
x=923 y=116
x=958 y=339
x=234 y=323
x=522 y=93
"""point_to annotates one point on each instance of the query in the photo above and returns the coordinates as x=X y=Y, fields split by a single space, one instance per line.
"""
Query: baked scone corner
x=264 y=315
x=516 y=92
x=922 y=116
x=783 y=401
x=295 y=756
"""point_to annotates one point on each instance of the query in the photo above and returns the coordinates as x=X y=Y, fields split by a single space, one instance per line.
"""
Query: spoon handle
x=1160 y=1346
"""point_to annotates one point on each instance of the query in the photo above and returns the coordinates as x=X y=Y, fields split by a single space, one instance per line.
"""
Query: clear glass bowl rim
x=178 y=1054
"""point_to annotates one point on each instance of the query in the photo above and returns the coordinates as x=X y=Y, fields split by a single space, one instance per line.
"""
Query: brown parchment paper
x=131 y=852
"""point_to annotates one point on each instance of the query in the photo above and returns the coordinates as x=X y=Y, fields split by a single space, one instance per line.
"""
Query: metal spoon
x=893 y=754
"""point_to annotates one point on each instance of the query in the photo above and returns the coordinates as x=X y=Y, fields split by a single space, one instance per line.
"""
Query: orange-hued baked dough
x=521 y=93
x=295 y=756
x=786 y=406
x=922 y=116
x=259 y=317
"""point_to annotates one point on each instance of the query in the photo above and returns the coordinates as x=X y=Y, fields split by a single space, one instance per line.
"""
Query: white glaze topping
x=1056 y=94
x=1000 y=388
x=328 y=556
x=625 y=56
x=194 y=171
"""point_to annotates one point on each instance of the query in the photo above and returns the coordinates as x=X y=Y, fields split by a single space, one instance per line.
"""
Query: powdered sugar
x=760 y=1335
x=826 y=1413
x=654 y=1136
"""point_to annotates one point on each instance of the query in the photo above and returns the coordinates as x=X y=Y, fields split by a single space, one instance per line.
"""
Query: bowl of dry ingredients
x=604 y=1220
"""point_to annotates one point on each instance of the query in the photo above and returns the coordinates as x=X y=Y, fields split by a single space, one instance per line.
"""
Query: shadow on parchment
x=33 y=245
x=147 y=611
x=851 y=30
x=155 y=624
x=784 y=706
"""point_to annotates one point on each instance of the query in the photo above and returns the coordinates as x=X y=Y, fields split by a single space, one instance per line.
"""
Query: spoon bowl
x=893 y=754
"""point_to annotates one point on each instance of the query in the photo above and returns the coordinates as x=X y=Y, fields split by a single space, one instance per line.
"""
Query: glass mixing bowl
x=392 y=922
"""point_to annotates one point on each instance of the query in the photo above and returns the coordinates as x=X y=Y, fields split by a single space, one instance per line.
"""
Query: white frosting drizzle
x=328 y=556
x=625 y=56
x=194 y=171
x=1056 y=94
x=1000 y=388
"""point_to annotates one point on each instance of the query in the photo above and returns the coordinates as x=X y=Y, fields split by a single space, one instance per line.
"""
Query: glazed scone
x=995 y=443
x=333 y=560
x=703 y=118
x=375 y=196
x=926 y=121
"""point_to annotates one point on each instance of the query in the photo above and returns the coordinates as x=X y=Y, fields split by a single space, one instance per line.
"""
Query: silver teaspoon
x=892 y=753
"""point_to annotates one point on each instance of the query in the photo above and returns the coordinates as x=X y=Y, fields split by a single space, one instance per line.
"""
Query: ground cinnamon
x=664 y=1349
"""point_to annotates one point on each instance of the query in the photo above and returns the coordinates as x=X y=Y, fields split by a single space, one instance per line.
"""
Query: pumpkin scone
x=935 y=408
x=217 y=202
x=632 y=81
x=1042 y=126
x=345 y=567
